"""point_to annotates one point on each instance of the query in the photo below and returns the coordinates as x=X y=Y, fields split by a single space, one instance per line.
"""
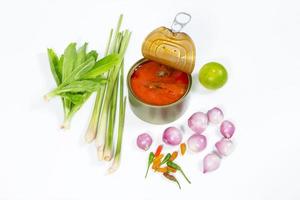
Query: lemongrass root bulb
x=90 y=135
x=100 y=152
x=211 y=162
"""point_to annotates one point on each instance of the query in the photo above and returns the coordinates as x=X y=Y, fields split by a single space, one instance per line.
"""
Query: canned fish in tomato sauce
x=159 y=83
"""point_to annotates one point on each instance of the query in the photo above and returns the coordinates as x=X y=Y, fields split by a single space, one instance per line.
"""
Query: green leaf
x=79 y=71
x=75 y=98
x=70 y=55
x=92 y=54
x=53 y=60
x=103 y=65
x=81 y=55
x=78 y=105
x=60 y=66
x=80 y=86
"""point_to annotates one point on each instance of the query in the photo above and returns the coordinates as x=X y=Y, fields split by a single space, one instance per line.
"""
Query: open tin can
x=173 y=49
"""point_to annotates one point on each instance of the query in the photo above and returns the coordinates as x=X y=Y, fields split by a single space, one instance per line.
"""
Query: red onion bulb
x=224 y=147
x=215 y=115
x=227 y=129
x=197 y=142
x=172 y=136
x=211 y=162
x=198 y=122
x=144 y=141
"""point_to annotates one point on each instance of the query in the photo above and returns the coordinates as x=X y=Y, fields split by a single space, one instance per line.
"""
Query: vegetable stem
x=116 y=161
x=92 y=128
x=108 y=147
x=103 y=121
x=122 y=111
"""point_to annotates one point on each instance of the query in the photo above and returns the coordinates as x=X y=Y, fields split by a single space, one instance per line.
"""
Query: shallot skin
x=172 y=136
x=215 y=115
x=224 y=147
x=227 y=129
x=211 y=162
x=144 y=141
x=198 y=122
x=197 y=142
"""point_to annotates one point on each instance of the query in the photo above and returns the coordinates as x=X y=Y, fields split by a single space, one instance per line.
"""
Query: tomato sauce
x=158 y=84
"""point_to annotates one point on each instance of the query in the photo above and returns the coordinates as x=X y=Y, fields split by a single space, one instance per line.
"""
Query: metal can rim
x=143 y=60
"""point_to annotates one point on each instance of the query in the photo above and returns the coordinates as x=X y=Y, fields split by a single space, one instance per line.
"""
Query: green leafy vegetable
x=77 y=74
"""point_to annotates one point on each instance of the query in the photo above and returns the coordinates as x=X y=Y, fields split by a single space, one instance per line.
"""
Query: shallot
x=172 y=136
x=227 y=129
x=198 y=122
x=211 y=162
x=215 y=115
x=197 y=142
x=224 y=147
x=144 y=141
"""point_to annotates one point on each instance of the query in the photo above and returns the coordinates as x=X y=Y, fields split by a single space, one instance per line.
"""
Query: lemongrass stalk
x=108 y=145
x=102 y=126
x=92 y=128
x=117 y=159
x=125 y=36
x=102 y=131
x=108 y=135
x=122 y=110
x=112 y=47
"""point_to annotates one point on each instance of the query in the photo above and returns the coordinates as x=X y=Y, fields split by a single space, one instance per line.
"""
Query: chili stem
x=185 y=176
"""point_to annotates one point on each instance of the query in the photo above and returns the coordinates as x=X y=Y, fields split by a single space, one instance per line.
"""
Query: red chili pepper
x=158 y=150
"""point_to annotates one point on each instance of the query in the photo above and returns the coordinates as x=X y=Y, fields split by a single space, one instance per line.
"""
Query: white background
x=258 y=42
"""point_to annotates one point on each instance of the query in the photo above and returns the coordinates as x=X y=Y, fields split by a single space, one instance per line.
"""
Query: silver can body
x=152 y=113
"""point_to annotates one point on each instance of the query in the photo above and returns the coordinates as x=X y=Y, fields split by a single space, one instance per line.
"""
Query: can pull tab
x=181 y=19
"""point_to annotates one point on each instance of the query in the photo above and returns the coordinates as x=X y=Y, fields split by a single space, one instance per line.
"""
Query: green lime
x=213 y=75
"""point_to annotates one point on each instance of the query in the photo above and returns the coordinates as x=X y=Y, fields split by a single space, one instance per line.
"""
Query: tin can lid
x=174 y=49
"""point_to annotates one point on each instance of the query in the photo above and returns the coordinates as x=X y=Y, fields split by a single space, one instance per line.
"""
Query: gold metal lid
x=174 y=49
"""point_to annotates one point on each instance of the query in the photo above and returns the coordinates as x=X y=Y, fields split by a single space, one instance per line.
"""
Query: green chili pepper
x=166 y=159
x=171 y=178
x=175 y=166
x=150 y=160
